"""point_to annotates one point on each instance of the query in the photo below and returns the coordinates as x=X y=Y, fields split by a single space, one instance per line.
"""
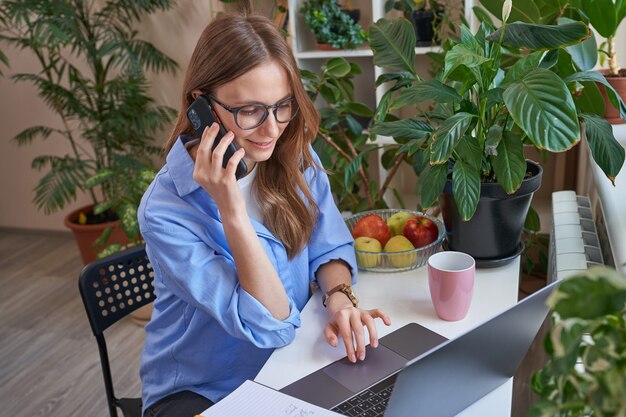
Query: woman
x=234 y=260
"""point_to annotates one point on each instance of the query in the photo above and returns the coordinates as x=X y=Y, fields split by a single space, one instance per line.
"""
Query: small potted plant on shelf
x=471 y=143
x=333 y=29
x=425 y=15
x=106 y=115
x=585 y=374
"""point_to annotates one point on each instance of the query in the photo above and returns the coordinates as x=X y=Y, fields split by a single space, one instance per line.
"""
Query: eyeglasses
x=253 y=115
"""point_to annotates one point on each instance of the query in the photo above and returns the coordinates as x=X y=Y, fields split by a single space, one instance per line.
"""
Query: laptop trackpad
x=378 y=364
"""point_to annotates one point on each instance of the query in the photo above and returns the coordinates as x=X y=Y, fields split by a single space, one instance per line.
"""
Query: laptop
x=417 y=372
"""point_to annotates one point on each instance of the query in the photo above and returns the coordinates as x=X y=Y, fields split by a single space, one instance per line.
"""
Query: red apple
x=372 y=225
x=421 y=231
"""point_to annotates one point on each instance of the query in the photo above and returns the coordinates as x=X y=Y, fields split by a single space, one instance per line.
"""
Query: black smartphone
x=201 y=115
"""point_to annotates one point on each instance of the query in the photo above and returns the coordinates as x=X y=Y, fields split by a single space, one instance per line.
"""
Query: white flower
x=506 y=10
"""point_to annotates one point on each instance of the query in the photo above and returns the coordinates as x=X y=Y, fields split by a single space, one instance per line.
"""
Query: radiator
x=577 y=236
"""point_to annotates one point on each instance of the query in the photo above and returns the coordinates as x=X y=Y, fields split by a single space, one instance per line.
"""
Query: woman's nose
x=270 y=125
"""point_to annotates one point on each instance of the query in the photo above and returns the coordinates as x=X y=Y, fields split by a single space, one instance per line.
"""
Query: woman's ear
x=196 y=93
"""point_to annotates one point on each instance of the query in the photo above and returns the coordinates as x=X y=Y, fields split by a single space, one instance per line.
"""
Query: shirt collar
x=180 y=166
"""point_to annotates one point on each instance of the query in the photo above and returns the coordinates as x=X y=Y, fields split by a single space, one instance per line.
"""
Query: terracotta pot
x=619 y=84
x=86 y=234
x=324 y=47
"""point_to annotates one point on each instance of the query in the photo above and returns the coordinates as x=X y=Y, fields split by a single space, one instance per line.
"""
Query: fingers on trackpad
x=378 y=364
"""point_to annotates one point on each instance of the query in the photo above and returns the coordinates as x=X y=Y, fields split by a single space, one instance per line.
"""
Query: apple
x=372 y=225
x=396 y=222
x=367 y=244
x=421 y=231
x=400 y=243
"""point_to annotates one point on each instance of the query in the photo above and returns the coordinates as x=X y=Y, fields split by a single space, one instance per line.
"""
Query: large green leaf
x=522 y=10
x=431 y=182
x=461 y=55
x=337 y=67
x=602 y=16
x=595 y=76
x=468 y=150
x=465 y=188
x=405 y=128
x=543 y=107
x=393 y=43
x=585 y=53
x=605 y=149
x=433 y=90
x=590 y=100
x=594 y=293
x=509 y=165
x=447 y=136
x=541 y=37
x=522 y=67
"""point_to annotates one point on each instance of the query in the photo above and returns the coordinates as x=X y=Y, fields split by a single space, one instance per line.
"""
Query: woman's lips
x=262 y=145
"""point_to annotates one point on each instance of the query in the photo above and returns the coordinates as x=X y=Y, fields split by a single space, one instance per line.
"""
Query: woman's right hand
x=220 y=183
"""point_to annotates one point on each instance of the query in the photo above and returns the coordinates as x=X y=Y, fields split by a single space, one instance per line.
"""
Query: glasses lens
x=285 y=111
x=250 y=116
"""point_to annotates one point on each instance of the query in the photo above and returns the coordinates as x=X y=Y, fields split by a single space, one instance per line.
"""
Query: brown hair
x=230 y=46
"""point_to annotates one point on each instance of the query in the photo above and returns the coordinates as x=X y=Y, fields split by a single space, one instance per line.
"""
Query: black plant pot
x=355 y=14
x=493 y=235
x=423 y=24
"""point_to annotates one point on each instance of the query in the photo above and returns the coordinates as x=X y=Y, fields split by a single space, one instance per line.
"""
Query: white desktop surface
x=406 y=298
x=614 y=204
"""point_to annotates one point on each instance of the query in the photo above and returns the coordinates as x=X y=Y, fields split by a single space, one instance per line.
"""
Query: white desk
x=614 y=204
x=405 y=297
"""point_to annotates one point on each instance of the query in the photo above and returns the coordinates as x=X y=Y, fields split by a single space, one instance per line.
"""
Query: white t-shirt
x=245 y=185
x=249 y=194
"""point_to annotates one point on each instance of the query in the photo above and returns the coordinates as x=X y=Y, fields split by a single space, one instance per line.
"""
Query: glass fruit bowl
x=401 y=260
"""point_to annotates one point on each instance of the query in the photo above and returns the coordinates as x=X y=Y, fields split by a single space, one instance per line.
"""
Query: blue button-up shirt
x=207 y=334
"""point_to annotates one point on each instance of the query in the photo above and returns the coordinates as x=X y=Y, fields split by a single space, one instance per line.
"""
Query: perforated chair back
x=112 y=288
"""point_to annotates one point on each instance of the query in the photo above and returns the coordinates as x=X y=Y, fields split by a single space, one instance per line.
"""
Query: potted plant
x=586 y=369
x=343 y=142
x=333 y=29
x=425 y=15
x=471 y=144
x=103 y=105
x=606 y=16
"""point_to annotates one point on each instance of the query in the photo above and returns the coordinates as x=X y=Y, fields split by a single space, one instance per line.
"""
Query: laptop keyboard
x=369 y=403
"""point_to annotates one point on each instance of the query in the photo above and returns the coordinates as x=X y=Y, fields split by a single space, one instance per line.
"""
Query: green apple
x=397 y=220
x=400 y=243
x=367 y=244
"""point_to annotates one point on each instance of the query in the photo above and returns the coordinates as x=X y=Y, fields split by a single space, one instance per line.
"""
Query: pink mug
x=451 y=283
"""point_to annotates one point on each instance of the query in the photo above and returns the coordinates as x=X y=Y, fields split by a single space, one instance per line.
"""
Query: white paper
x=253 y=399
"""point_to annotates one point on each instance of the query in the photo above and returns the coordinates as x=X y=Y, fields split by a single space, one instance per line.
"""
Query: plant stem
x=361 y=171
x=610 y=42
x=390 y=175
x=349 y=158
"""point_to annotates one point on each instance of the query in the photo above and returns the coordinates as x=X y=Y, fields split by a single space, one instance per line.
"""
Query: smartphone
x=201 y=115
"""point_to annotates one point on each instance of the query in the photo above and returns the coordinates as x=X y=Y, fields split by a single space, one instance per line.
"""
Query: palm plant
x=92 y=75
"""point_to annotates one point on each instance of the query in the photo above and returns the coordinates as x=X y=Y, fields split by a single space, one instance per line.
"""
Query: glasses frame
x=272 y=107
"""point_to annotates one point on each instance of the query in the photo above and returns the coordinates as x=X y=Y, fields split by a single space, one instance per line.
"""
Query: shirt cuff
x=265 y=330
x=343 y=253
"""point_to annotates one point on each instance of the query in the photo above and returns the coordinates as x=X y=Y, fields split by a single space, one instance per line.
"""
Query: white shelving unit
x=311 y=58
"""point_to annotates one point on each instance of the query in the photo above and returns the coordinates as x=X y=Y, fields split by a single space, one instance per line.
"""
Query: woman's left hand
x=348 y=322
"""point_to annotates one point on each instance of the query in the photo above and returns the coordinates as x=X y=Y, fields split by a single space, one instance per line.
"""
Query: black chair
x=112 y=288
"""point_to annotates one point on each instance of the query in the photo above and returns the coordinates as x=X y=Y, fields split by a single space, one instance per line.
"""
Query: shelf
x=333 y=54
x=316 y=54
